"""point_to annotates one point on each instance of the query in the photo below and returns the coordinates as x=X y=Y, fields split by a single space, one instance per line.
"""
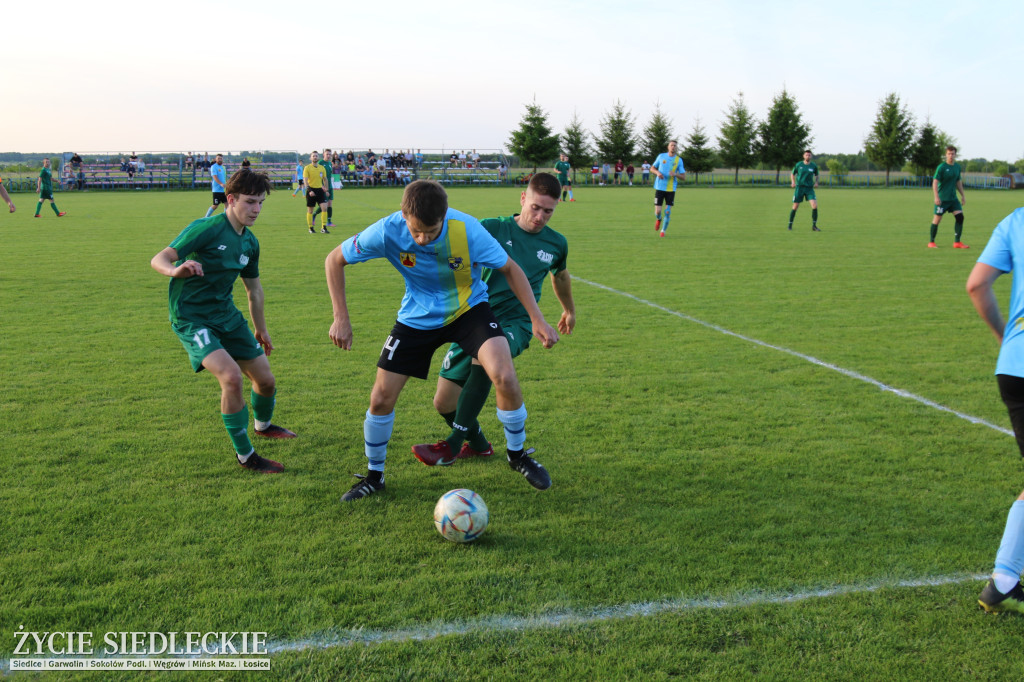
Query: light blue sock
x=514 y=422
x=1010 y=558
x=209 y=212
x=665 y=216
x=376 y=434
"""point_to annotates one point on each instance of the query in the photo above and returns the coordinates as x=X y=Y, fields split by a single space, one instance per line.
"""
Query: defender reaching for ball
x=463 y=385
x=203 y=263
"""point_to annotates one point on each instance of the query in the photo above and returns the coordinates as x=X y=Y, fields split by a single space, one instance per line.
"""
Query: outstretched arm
x=520 y=286
x=254 y=291
x=979 y=287
x=341 y=327
x=6 y=197
x=561 y=283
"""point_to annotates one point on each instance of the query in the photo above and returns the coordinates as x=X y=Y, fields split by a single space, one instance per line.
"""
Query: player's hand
x=264 y=340
x=341 y=334
x=546 y=333
x=938 y=202
x=12 y=207
x=189 y=268
x=566 y=323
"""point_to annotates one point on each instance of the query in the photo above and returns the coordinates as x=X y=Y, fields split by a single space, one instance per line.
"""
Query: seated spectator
x=502 y=172
x=360 y=161
x=350 y=157
x=189 y=161
x=386 y=158
x=462 y=159
x=350 y=171
x=367 y=175
x=404 y=176
x=407 y=158
x=246 y=163
x=392 y=177
x=371 y=158
x=124 y=165
x=453 y=160
x=418 y=158
x=376 y=178
x=381 y=165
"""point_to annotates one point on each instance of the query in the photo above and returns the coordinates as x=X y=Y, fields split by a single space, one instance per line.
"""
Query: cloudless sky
x=214 y=75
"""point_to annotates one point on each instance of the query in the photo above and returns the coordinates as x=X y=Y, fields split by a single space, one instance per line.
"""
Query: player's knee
x=265 y=384
x=231 y=381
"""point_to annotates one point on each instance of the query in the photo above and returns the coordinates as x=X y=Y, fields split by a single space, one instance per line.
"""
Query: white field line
x=500 y=624
x=583 y=617
x=809 y=358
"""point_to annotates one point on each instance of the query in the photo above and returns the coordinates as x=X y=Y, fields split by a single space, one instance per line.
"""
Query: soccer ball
x=460 y=515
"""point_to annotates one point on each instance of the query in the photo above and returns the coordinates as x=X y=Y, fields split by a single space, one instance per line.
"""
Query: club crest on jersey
x=545 y=257
x=455 y=263
x=355 y=244
x=243 y=259
x=408 y=259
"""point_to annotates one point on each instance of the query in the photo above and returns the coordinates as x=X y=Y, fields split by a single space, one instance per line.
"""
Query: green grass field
x=721 y=509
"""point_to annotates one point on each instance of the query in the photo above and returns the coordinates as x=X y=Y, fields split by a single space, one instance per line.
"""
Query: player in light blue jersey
x=1006 y=246
x=668 y=173
x=440 y=252
x=218 y=180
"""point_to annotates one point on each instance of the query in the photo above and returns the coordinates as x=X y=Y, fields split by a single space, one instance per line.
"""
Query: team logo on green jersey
x=455 y=263
x=545 y=257
x=244 y=260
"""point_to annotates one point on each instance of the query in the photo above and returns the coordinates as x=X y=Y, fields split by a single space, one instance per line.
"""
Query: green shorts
x=456 y=363
x=46 y=194
x=949 y=207
x=200 y=340
x=803 y=192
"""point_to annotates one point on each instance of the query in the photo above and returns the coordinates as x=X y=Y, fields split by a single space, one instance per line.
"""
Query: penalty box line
x=584 y=617
x=809 y=358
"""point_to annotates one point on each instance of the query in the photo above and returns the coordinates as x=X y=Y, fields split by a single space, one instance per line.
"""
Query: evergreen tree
x=926 y=152
x=533 y=142
x=892 y=135
x=656 y=135
x=574 y=144
x=617 y=139
x=782 y=136
x=697 y=156
x=737 y=137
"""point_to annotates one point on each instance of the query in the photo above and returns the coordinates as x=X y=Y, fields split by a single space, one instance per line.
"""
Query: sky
x=116 y=76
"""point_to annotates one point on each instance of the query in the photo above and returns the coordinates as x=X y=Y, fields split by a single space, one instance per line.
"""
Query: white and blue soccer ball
x=461 y=515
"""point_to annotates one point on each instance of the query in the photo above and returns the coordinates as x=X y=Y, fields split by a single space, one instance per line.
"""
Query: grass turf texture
x=687 y=464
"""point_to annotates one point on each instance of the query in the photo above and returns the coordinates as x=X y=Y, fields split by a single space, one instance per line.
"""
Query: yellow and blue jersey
x=443 y=279
x=668 y=163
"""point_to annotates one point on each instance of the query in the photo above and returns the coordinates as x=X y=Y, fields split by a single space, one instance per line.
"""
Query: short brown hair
x=426 y=201
x=247 y=181
x=951 y=148
x=546 y=185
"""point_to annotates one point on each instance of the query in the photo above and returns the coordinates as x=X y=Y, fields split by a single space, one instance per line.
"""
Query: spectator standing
x=77 y=171
x=619 y=169
x=645 y=171
x=629 y=173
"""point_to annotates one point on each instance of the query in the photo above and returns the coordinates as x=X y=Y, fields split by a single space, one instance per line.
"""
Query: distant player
x=946 y=183
x=562 y=169
x=316 y=178
x=1005 y=249
x=463 y=385
x=325 y=162
x=668 y=173
x=203 y=263
x=218 y=181
x=440 y=253
x=44 y=188
x=6 y=197
x=299 y=186
x=804 y=180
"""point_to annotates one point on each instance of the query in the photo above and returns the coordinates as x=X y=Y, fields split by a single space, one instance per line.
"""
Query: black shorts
x=219 y=198
x=661 y=195
x=1011 y=389
x=318 y=197
x=408 y=350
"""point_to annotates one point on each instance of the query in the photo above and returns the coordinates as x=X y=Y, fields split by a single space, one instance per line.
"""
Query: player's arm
x=960 y=188
x=979 y=287
x=164 y=261
x=520 y=286
x=254 y=291
x=935 y=191
x=7 y=197
x=815 y=176
x=561 y=284
x=341 y=327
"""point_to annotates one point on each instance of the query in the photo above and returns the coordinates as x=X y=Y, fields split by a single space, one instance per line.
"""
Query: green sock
x=935 y=231
x=330 y=214
x=39 y=207
x=792 y=214
x=814 y=216
x=237 y=425
x=263 y=406
x=53 y=205
x=958 y=226
x=449 y=418
x=316 y=212
x=471 y=402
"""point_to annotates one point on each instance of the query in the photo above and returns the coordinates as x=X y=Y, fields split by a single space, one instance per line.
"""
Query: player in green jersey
x=945 y=185
x=44 y=188
x=203 y=263
x=463 y=385
x=804 y=180
x=562 y=169
x=325 y=163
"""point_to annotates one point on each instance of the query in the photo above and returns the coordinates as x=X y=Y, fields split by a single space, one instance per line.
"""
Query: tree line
x=893 y=142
